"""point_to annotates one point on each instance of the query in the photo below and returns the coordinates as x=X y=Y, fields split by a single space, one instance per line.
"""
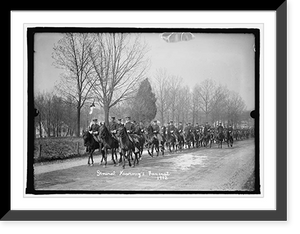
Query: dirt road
x=226 y=169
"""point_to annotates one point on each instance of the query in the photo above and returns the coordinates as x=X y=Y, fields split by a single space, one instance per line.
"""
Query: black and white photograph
x=143 y=111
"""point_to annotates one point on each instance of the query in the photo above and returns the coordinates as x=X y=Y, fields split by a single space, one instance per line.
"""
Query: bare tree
x=235 y=107
x=119 y=63
x=221 y=94
x=72 y=54
x=175 y=85
x=206 y=94
x=162 y=93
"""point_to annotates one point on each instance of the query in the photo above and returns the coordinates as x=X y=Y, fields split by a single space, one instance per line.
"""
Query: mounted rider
x=220 y=128
x=94 y=129
x=129 y=126
x=113 y=126
x=139 y=128
x=180 y=128
x=229 y=130
x=156 y=132
x=206 y=129
x=172 y=129
x=119 y=123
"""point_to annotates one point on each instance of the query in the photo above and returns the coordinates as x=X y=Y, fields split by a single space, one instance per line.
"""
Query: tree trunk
x=78 y=122
x=106 y=114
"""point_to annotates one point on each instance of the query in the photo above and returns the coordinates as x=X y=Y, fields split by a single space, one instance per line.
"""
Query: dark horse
x=220 y=138
x=189 y=138
x=152 y=141
x=180 y=138
x=229 y=138
x=207 y=138
x=170 y=140
x=92 y=145
x=109 y=143
x=127 y=146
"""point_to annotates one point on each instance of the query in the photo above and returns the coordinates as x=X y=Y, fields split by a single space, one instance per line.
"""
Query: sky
x=228 y=59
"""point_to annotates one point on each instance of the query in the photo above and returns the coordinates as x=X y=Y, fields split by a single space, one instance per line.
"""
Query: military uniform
x=94 y=130
x=220 y=128
x=138 y=129
x=156 y=132
x=119 y=124
x=180 y=128
x=187 y=128
x=129 y=126
x=206 y=129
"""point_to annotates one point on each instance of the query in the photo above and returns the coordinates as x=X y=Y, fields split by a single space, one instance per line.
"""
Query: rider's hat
x=95 y=119
x=154 y=121
x=120 y=119
x=127 y=117
x=112 y=117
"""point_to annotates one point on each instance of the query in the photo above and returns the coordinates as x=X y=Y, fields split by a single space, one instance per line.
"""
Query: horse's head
x=86 y=137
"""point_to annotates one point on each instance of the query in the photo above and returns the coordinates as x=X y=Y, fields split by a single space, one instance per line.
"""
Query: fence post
x=77 y=147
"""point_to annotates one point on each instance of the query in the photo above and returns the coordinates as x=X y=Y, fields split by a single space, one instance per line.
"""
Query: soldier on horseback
x=139 y=128
x=113 y=127
x=173 y=130
x=129 y=126
x=229 y=130
x=119 y=123
x=94 y=129
x=156 y=132
x=206 y=129
x=180 y=128
x=220 y=128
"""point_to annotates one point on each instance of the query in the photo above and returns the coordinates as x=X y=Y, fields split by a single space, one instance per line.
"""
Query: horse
x=109 y=142
x=170 y=140
x=127 y=146
x=219 y=138
x=196 y=138
x=141 y=139
x=151 y=141
x=189 y=138
x=201 y=138
x=229 y=138
x=208 y=138
x=180 y=138
x=92 y=145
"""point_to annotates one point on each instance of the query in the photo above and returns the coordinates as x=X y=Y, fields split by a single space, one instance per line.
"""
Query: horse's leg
x=113 y=155
x=92 y=151
x=135 y=159
x=124 y=158
x=141 y=151
x=129 y=157
x=148 y=148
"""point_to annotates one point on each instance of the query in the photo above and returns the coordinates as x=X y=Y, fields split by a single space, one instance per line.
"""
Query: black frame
x=280 y=214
